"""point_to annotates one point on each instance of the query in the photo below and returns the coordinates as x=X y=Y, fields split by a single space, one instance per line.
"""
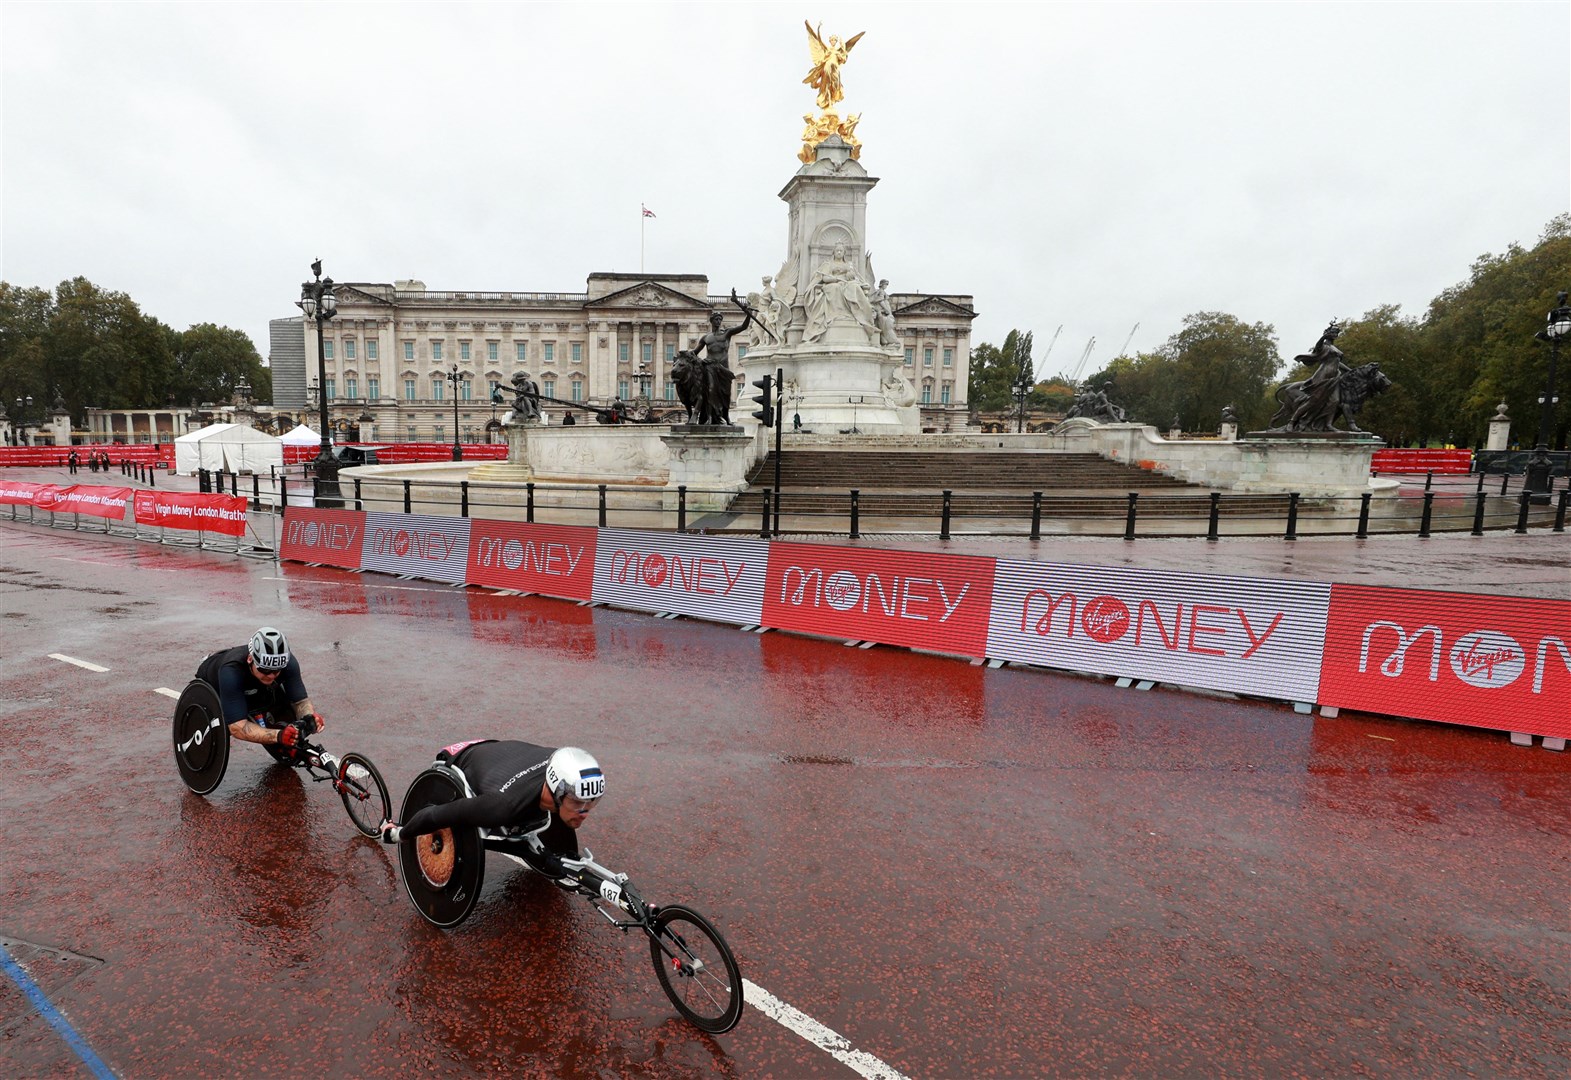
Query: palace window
x=331 y=389
x=621 y=389
x=578 y=352
x=549 y=355
x=648 y=351
x=523 y=349
x=463 y=350
x=327 y=349
x=578 y=390
x=438 y=433
x=949 y=357
x=466 y=390
x=621 y=352
x=412 y=436
x=910 y=357
x=490 y=350
x=927 y=393
x=349 y=351
x=943 y=394
x=409 y=350
x=436 y=350
x=438 y=390
x=351 y=387
x=548 y=388
x=409 y=389
x=373 y=387
x=927 y=356
x=370 y=350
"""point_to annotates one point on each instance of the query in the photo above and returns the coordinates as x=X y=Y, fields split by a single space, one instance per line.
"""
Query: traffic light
x=765 y=414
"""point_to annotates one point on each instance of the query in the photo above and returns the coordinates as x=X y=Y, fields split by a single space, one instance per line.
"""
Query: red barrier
x=404 y=453
x=41 y=457
x=104 y=502
x=332 y=537
x=200 y=513
x=1422 y=461
x=1487 y=661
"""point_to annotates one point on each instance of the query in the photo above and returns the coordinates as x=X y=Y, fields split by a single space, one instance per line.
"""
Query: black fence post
x=943 y=526
x=1216 y=511
x=201 y=479
x=283 y=492
x=602 y=506
x=256 y=492
x=463 y=498
x=1505 y=482
x=1480 y=483
x=763 y=529
x=1478 y=514
x=856 y=510
x=151 y=482
x=1560 y=510
x=1292 y=516
x=529 y=502
x=407 y=502
x=1363 y=516
x=1036 y=515
x=1429 y=513
x=316 y=491
x=1429 y=480
x=1129 y=517
x=359 y=505
x=234 y=481
x=1521 y=514
x=681 y=508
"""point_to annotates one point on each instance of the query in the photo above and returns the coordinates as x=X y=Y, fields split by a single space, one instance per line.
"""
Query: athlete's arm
x=231 y=699
x=482 y=811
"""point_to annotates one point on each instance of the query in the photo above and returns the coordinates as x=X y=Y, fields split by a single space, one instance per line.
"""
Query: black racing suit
x=244 y=697
x=506 y=777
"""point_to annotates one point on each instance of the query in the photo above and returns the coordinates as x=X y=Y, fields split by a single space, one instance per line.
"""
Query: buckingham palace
x=392 y=350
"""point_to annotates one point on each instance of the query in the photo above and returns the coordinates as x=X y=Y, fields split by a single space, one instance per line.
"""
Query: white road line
x=164 y=690
x=834 y=1044
x=363 y=585
x=73 y=660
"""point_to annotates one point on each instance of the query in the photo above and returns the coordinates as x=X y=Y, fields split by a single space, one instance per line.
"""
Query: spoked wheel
x=201 y=738
x=442 y=871
x=696 y=969
x=364 y=793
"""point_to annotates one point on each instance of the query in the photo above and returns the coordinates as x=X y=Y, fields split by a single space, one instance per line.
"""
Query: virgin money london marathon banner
x=555 y=560
x=423 y=546
x=710 y=577
x=17 y=493
x=918 y=599
x=1245 y=635
x=104 y=502
x=1487 y=661
x=198 y=513
x=330 y=537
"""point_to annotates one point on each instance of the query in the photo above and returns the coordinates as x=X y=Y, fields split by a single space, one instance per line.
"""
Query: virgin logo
x=842 y=590
x=1487 y=658
x=1105 y=618
x=654 y=570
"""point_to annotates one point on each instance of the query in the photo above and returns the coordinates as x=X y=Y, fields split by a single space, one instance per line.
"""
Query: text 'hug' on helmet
x=269 y=651
x=574 y=772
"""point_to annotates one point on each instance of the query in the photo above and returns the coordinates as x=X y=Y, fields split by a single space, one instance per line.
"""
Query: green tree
x=1410 y=410
x=211 y=360
x=25 y=314
x=102 y=351
x=994 y=371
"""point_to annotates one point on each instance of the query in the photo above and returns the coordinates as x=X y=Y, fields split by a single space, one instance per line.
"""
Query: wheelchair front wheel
x=696 y=969
x=442 y=871
x=201 y=738
x=365 y=795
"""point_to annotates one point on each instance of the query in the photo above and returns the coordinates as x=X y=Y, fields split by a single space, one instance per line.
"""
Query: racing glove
x=290 y=739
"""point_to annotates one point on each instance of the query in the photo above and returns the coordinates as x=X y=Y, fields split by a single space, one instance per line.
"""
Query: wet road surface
x=962 y=871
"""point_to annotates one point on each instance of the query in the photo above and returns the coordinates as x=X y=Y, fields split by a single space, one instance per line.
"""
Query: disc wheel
x=364 y=793
x=201 y=739
x=442 y=871
x=696 y=969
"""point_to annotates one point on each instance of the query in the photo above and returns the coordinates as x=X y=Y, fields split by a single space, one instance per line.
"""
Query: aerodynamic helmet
x=269 y=651
x=574 y=772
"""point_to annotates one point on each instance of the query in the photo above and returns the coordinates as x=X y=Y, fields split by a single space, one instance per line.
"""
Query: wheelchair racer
x=257 y=682
x=522 y=791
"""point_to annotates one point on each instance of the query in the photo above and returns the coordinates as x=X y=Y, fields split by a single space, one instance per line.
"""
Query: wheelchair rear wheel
x=442 y=871
x=201 y=738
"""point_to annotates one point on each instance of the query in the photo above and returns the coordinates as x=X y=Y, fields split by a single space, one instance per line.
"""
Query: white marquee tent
x=300 y=435
x=230 y=447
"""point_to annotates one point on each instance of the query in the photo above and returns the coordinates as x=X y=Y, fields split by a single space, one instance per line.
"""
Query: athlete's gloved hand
x=309 y=724
x=390 y=832
x=290 y=739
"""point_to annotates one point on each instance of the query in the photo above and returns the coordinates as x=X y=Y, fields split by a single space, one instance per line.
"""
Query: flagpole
x=641 y=217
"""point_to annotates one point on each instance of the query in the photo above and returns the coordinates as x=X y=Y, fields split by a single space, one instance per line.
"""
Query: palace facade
x=391 y=351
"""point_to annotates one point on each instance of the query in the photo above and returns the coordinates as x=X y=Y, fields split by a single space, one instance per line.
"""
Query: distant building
x=390 y=348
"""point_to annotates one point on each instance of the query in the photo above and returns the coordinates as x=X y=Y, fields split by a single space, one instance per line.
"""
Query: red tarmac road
x=962 y=871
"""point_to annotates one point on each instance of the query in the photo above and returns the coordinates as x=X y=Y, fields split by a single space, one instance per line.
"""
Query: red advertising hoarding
x=331 y=537
x=16 y=493
x=555 y=560
x=104 y=502
x=1500 y=662
x=918 y=599
x=200 y=513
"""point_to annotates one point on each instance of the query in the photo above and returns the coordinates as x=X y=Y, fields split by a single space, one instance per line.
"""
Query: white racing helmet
x=269 y=651
x=574 y=772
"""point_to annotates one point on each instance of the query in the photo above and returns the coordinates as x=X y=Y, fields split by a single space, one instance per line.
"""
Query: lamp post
x=24 y=406
x=1022 y=387
x=1539 y=463
x=457 y=378
x=319 y=304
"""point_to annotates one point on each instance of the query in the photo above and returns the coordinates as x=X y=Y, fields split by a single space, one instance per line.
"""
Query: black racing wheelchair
x=443 y=873
x=201 y=743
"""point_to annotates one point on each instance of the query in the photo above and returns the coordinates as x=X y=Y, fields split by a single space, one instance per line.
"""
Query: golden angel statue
x=824 y=75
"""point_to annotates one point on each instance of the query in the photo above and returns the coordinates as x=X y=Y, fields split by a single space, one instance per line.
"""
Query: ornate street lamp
x=1022 y=388
x=457 y=378
x=1539 y=463
x=24 y=407
x=319 y=304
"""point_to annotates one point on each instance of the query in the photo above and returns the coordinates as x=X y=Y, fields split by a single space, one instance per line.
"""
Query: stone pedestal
x=1312 y=463
x=1499 y=430
x=519 y=467
x=711 y=461
x=1228 y=432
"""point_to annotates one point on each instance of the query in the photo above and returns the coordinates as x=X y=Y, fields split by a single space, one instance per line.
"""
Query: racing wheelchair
x=443 y=873
x=201 y=744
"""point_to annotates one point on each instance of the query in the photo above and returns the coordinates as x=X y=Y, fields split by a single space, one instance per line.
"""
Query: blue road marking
x=56 y=1019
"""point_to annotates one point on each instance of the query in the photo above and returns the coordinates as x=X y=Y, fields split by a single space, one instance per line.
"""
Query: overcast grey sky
x=1086 y=165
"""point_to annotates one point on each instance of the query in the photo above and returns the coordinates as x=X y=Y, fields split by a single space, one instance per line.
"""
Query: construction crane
x=1042 y=366
x=1125 y=350
x=1075 y=378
